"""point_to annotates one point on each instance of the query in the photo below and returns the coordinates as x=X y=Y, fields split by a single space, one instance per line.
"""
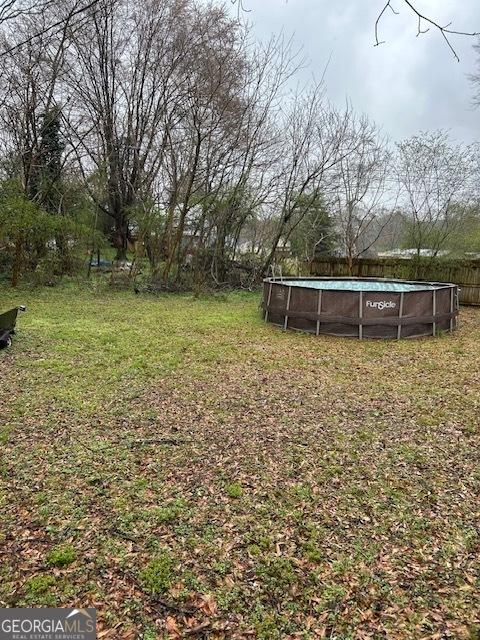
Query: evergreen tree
x=46 y=181
x=315 y=234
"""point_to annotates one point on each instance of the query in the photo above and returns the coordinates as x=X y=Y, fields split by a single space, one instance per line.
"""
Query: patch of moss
x=234 y=490
x=61 y=556
x=158 y=575
x=38 y=585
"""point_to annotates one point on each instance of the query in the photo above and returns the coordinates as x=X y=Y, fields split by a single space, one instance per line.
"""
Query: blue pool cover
x=359 y=285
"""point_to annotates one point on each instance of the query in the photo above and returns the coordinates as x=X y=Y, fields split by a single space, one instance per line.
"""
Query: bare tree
x=358 y=190
x=253 y=150
x=301 y=163
x=436 y=179
x=475 y=77
x=199 y=147
x=125 y=99
x=315 y=140
x=220 y=156
x=12 y=10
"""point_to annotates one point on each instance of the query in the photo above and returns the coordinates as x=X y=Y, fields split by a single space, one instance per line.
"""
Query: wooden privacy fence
x=464 y=273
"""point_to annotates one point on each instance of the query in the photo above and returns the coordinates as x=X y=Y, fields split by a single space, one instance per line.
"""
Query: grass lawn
x=193 y=472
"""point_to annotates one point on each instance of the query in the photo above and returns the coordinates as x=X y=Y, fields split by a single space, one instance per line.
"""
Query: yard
x=192 y=472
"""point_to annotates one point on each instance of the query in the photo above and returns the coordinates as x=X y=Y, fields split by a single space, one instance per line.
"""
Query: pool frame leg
x=360 y=315
x=285 y=322
x=268 y=301
x=319 y=310
x=400 y=315
x=434 y=309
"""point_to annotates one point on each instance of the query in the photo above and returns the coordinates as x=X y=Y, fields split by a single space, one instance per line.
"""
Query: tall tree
x=359 y=187
x=312 y=143
x=45 y=182
x=437 y=182
x=30 y=103
x=126 y=98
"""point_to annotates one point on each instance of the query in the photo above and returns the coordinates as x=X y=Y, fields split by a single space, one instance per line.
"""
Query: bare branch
x=443 y=29
x=419 y=27
x=377 y=22
x=58 y=25
x=240 y=7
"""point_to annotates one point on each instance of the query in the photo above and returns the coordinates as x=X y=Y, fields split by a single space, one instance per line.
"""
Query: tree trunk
x=65 y=257
x=17 y=260
x=271 y=255
x=120 y=238
x=350 y=263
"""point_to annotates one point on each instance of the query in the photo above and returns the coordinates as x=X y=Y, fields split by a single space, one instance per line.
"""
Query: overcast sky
x=407 y=84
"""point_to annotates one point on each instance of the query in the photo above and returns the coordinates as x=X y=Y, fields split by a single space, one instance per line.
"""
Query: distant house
x=247 y=247
x=284 y=249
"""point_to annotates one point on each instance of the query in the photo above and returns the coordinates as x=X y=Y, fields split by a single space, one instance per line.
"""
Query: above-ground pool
x=361 y=307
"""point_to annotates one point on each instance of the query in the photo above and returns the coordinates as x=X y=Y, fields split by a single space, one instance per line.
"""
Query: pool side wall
x=361 y=314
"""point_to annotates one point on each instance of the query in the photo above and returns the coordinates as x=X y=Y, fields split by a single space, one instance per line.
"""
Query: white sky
x=406 y=85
